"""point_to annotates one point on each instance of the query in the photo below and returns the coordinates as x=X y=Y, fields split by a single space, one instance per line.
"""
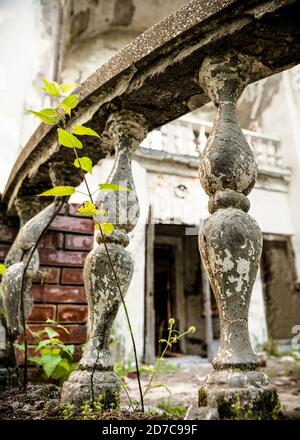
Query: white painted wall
x=27 y=55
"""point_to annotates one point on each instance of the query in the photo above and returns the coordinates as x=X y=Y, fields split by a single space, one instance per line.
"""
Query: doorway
x=176 y=291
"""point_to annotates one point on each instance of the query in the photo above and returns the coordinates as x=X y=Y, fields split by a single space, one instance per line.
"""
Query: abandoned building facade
x=169 y=279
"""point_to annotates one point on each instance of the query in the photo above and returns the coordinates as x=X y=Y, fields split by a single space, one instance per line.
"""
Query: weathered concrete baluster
x=16 y=260
x=230 y=244
x=95 y=377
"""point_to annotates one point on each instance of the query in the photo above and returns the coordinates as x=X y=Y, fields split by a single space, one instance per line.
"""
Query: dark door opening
x=164 y=290
x=280 y=287
x=177 y=291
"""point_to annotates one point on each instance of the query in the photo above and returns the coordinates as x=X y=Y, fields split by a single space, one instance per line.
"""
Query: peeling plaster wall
x=89 y=18
x=28 y=31
x=275 y=110
x=83 y=59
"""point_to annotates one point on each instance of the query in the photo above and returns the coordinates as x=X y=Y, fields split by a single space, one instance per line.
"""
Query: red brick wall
x=60 y=295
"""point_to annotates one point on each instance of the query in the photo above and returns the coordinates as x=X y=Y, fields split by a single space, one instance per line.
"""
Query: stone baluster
x=230 y=243
x=16 y=260
x=94 y=376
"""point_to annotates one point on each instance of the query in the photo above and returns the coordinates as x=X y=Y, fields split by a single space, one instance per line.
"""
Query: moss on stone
x=202 y=397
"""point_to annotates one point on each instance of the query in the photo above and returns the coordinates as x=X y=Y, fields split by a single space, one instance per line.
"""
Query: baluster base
x=78 y=388
x=241 y=395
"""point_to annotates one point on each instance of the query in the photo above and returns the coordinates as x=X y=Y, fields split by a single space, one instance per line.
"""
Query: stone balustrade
x=188 y=136
x=153 y=81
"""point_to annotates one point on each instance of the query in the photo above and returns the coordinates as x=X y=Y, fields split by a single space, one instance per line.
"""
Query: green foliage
x=124 y=367
x=88 y=209
x=92 y=410
x=67 y=139
x=81 y=130
x=164 y=367
x=2 y=269
x=68 y=410
x=106 y=228
x=85 y=163
x=44 y=116
x=53 y=356
x=52 y=88
x=271 y=348
x=171 y=409
x=69 y=103
x=241 y=413
x=112 y=187
x=66 y=88
x=277 y=412
x=59 y=191
x=173 y=338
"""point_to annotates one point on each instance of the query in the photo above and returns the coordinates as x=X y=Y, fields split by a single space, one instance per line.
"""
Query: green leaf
x=51 y=332
x=2 y=269
x=52 y=88
x=51 y=112
x=59 y=191
x=65 y=364
x=148 y=369
x=50 y=362
x=81 y=130
x=36 y=360
x=106 y=228
x=67 y=139
x=66 y=88
x=57 y=342
x=42 y=344
x=20 y=347
x=84 y=163
x=44 y=117
x=112 y=187
x=69 y=349
x=69 y=103
x=88 y=209
x=51 y=321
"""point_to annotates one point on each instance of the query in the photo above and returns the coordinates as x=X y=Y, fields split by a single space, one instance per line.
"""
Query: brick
x=50 y=275
x=72 y=276
x=40 y=313
x=52 y=240
x=20 y=356
x=50 y=257
x=64 y=209
x=78 y=353
x=7 y=233
x=58 y=294
x=77 y=333
x=72 y=313
x=4 y=248
x=72 y=224
x=73 y=209
x=79 y=242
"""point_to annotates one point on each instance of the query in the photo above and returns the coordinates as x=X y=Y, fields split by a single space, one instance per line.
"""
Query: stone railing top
x=155 y=76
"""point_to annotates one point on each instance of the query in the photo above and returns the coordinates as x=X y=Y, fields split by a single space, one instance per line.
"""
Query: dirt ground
x=180 y=380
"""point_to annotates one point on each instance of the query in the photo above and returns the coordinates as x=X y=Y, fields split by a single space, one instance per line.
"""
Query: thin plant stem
x=168 y=343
